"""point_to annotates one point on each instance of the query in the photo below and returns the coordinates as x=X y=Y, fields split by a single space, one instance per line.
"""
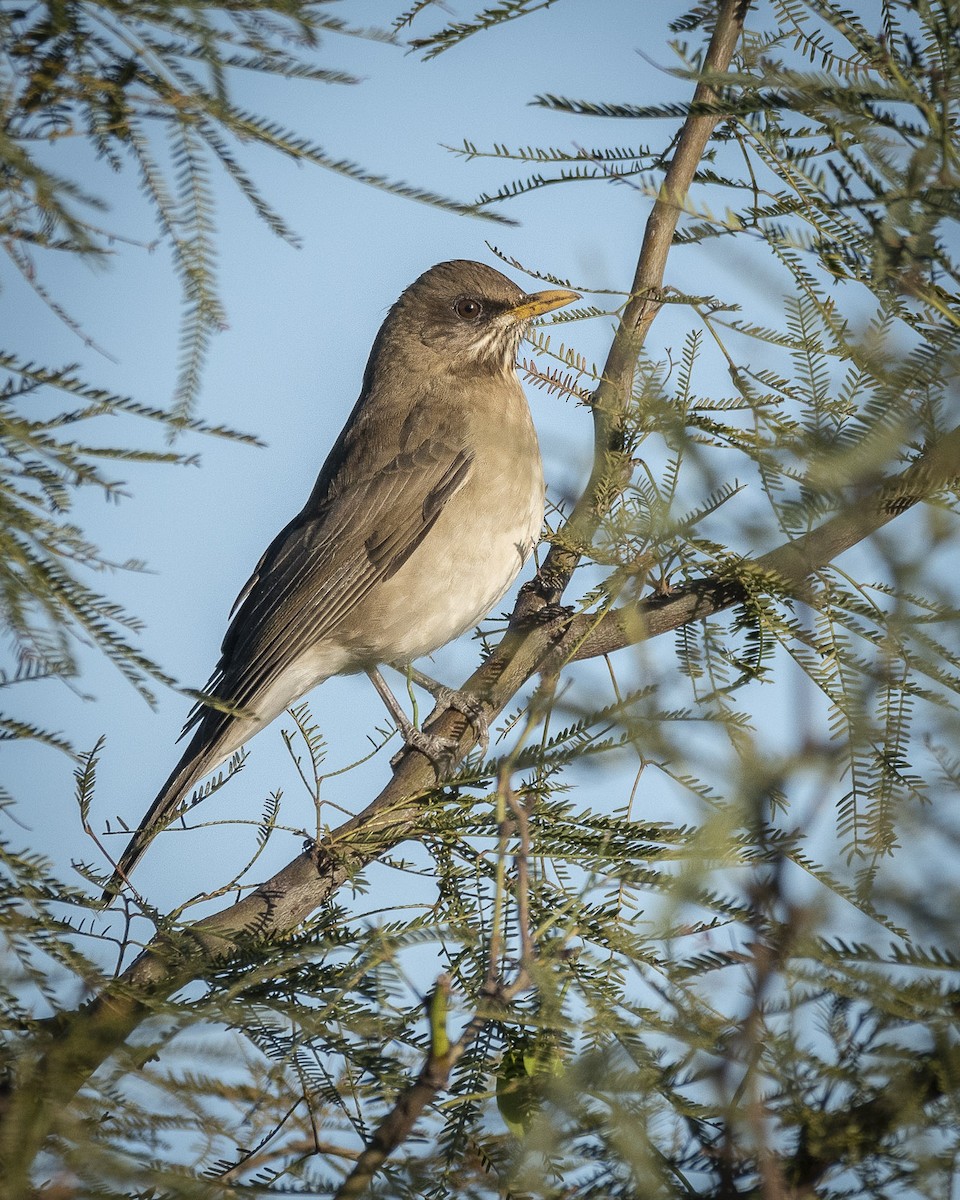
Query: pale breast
x=474 y=552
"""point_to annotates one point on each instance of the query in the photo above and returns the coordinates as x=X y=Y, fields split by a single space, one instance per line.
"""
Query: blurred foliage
x=714 y=927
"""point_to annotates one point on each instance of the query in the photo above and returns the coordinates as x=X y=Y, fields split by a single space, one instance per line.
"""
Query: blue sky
x=288 y=368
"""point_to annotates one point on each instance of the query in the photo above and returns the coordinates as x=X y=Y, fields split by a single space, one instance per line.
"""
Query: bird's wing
x=358 y=533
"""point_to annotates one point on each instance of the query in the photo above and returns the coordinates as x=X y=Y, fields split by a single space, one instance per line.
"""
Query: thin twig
x=518 y=807
x=785 y=570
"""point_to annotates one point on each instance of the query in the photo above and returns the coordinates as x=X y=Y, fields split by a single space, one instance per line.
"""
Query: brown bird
x=428 y=505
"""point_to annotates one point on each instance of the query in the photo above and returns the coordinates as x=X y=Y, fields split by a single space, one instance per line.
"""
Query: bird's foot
x=447 y=697
x=468 y=706
x=555 y=612
x=440 y=750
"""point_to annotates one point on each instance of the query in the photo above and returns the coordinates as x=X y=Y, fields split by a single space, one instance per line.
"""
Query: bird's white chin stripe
x=498 y=344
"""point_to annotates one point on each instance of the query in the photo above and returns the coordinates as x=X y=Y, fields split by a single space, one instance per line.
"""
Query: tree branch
x=398 y=1124
x=610 y=456
x=786 y=569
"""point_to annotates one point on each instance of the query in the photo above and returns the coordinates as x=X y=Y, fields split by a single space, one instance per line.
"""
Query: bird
x=423 y=514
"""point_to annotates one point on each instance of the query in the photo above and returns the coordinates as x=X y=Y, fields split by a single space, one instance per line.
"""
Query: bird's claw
x=440 y=750
x=469 y=707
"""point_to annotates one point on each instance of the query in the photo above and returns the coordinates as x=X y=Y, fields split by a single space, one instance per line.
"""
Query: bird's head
x=468 y=317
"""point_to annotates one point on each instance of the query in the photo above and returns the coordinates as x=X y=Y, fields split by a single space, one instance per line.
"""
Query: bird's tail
x=201 y=756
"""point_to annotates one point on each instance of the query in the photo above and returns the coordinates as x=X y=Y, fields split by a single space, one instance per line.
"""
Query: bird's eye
x=467 y=309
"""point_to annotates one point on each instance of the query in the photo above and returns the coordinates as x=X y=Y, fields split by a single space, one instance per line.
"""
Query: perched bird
x=427 y=507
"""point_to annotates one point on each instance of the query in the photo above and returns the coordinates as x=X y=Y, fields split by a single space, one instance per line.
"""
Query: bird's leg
x=437 y=749
x=447 y=697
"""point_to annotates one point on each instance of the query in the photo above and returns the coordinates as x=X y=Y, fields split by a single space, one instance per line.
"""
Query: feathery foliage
x=690 y=930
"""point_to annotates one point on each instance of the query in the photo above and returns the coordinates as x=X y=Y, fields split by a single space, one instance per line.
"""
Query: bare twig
x=434 y=1077
x=398 y=1124
x=518 y=806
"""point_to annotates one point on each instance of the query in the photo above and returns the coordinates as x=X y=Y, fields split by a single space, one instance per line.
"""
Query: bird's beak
x=538 y=303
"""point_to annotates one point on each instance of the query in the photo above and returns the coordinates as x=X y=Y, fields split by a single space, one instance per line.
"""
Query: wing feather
x=326 y=561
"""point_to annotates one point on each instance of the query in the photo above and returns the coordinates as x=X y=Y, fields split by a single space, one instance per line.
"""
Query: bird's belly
x=454 y=598
x=464 y=565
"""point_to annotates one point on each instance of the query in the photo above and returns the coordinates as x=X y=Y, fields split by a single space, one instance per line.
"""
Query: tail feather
x=203 y=755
